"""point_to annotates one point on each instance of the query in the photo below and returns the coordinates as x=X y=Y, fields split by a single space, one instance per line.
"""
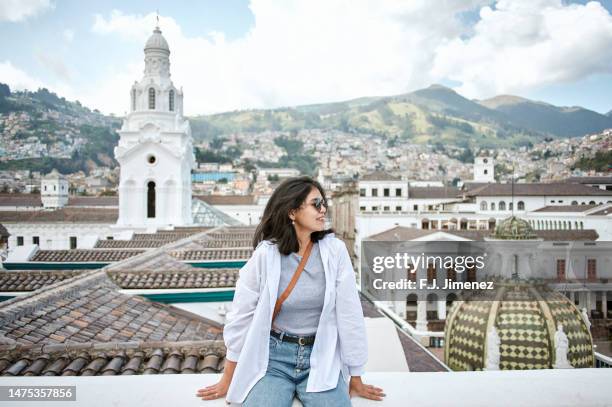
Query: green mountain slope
x=546 y=118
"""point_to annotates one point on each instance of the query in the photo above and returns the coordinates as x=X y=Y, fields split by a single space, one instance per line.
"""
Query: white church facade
x=155 y=150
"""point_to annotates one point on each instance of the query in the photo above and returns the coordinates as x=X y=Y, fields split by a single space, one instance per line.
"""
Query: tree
x=5 y=91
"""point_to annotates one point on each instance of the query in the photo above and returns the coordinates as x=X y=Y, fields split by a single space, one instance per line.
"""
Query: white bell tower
x=484 y=169
x=155 y=150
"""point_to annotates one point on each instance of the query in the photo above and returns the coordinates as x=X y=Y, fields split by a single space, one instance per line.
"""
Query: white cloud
x=19 y=10
x=524 y=44
x=307 y=52
x=16 y=78
x=299 y=52
x=68 y=34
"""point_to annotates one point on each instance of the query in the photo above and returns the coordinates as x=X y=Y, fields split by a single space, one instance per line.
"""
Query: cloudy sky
x=236 y=54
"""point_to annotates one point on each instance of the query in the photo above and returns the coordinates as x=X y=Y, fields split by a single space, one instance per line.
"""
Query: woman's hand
x=358 y=388
x=215 y=391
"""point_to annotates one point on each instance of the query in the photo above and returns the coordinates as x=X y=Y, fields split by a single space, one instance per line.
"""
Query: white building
x=484 y=169
x=155 y=148
x=54 y=190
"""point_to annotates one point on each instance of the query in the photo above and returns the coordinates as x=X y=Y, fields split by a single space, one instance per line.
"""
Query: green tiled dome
x=514 y=228
x=526 y=319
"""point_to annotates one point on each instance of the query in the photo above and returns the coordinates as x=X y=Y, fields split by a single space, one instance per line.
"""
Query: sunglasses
x=318 y=203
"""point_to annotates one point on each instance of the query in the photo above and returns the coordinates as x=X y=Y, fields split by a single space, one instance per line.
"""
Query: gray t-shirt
x=301 y=311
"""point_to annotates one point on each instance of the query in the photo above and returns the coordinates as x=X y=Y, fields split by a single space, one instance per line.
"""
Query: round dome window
x=151 y=159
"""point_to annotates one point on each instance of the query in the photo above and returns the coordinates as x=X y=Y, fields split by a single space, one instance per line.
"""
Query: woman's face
x=307 y=216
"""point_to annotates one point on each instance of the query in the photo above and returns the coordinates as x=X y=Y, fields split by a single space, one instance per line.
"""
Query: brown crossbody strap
x=294 y=279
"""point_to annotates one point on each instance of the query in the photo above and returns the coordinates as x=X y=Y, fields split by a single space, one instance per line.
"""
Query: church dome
x=526 y=319
x=514 y=228
x=157 y=42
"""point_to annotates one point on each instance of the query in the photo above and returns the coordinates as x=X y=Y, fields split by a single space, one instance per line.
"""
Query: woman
x=318 y=339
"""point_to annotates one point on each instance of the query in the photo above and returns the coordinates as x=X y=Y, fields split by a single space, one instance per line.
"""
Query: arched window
x=151 y=98
x=581 y=225
x=483 y=206
x=492 y=206
x=510 y=206
x=574 y=202
x=133 y=99
x=521 y=206
x=151 y=199
x=171 y=100
x=592 y=203
x=502 y=206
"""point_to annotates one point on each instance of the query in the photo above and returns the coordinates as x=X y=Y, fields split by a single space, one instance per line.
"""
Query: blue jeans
x=287 y=374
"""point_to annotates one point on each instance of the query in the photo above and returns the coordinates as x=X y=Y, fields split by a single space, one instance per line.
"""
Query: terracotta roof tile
x=433 y=192
x=213 y=254
x=379 y=176
x=401 y=233
x=89 y=201
x=83 y=255
x=30 y=200
x=565 y=208
x=102 y=314
x=228 y=199
x=158 y=279
x=538 y=189
x=30 y=280
x=67 y=214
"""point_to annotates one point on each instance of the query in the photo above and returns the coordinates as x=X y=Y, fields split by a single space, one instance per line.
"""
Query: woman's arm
x=238 y=321
x=349 y=316
x=351 y=328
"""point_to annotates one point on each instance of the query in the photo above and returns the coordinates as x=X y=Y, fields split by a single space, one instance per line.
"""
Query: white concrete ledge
x=554 y=388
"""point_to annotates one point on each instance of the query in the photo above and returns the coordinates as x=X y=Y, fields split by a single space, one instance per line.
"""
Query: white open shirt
x=340 y=344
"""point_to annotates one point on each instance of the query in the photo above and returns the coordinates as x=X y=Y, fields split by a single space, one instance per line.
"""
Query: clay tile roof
x=379 y=176
x=212 y=254
x=590 y=180
x=73 y=215
x=401 y=233
x=30 y=280
x=228 y=199
x=227 y=243
x=158 y=279
x=565 y=208
x=83 y=255
x=29 y=200
x=89 y=201
x=433 y=192
x=114 y=359
x=538 y=189
x=89 y=308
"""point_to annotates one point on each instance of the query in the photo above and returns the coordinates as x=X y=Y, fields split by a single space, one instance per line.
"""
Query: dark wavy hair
x=275 y=223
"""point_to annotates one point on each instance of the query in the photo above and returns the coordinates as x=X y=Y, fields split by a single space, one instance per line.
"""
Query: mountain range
x=436 y=114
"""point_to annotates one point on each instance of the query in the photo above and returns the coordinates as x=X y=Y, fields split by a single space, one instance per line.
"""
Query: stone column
x=441 y=309
x=421 y=323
